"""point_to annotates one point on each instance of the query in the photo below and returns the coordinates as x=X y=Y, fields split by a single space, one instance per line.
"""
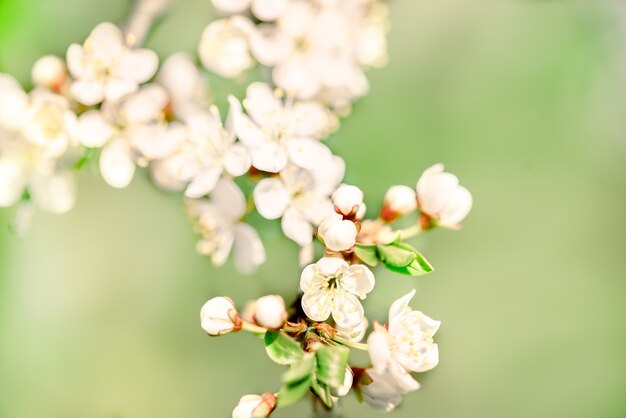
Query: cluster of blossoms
x=110 y=100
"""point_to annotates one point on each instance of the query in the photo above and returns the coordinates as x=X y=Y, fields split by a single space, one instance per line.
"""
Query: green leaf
x=395 y=256
x=282 y=349
x=323 y=392
x=331 y=365
x=367 y=253
x=292 y=393
x=300 y=370
x=417 y=266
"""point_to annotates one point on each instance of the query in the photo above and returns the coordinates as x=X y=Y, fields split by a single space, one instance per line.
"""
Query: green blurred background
x=523 y=100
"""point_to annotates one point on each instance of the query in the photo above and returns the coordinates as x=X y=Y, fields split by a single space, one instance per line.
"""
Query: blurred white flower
x=187 y=89
x=319 y=48
x=277 y=132
x=263 y=9
x=348 y=200
x=14 y=103
x=405 y=345
x=219 y=316
x=332 y=287
x=219 y=222
x=104 y=67
x=354 y=334
x=49 y=72
x=270 y=311
x=255 y=406
x=338 y=234
x=442 y=198
x=299 y=197
x=224 y=48
x=399 y=201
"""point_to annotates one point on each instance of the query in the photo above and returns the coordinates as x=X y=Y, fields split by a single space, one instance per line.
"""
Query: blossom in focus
x=224 y=48
x=332 y=287
x=348 y=201
x=405 y=345
x=219 y=223
x=255 y=406
x=300 y=197
x=270 y=311
x=399 y=201
x=104 y=67
x=277 y=132
x=338 y=234
x=441 y=197
x=219 y=316
x=319 y=49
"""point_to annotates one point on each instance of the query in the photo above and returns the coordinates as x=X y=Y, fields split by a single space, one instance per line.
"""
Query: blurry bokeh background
x=523 y=100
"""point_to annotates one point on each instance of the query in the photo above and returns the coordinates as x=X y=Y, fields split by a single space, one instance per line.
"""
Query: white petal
x=116 y=88
x=249 y=250
x=247 y=132
x=92 y=130
x=146 y=105
x=12 y=181
x=294 y=76
x=262 y=104
x=401 y=305
x=269 y=45
x=317 y=306
x=231 y=6
x=359 y=280
x=271 y=198
x=228 y=198
x=204 y=182
x=330 y=266
x=270 y=157
x=296 y=227
x=116 y=164
x=75 y=56
x=403 y=378
x=378 y=348
x=347 y=310
x=308 y=153
x=269 y=9
x=382 y=394
x=328 y=177
x=137 y=66
x=87 y=92
x=54 y=193
x=457 y=208
x=237 y=160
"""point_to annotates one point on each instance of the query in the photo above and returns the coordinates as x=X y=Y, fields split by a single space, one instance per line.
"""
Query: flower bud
x=399 y=201
x=270 y=312
x=255 y=406
x=219 y=316
x=49 y=71
x=348 y=199
x=338 y=234
x=441 y=198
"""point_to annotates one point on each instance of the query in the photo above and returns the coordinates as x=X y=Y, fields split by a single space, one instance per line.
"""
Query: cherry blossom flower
x=442 y=198
x=224 y=46
x=332 y=287
x=104 y=67
x=399 y=201
x=219 y=222
x=338 y=234
x=219 y=316
x=270 y=311
x=277 y=132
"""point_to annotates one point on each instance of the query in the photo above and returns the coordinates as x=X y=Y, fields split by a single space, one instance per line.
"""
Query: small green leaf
x=323 y=392
x=282 y=349
x=395 y=256
x=292 y=393
x=300 y=370
x=331 y=365
x=367 y=253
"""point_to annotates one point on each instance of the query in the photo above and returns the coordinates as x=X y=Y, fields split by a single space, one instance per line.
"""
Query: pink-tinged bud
x=270 y=312
x=219 y=316
x=338 y=234
x=255 y=406
x=50 y=72
x=348 y=200
x=399 y=201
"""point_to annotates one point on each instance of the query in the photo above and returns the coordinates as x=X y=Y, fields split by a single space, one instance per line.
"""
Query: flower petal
x=271 y=198
x=347 y=310
x=359 y=280
x=270 y=157
x=296 y=227
x=54 y=193
x=204 y=182
x=237 y=160
x=228 y=198
x=116 y=164
x=249 y=250
x=317 y=305
x=308 y=153
x=87 y=92
x=137 y=65
x=92 y=130
x=12 y=181
x=378 y=348
x=401 y=305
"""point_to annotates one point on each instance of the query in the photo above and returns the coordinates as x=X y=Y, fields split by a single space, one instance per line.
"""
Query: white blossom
x=442 y=198
x=219 y=222
x=405 y=345
x=348 y=200
x=338 y=234
x=277 y=132
x=219 y=316
x=104 y=67
x=263 y=9
x=399 y=201
x=332 y=287
x=224 y=48
x=49 y=72
x=270 y=311
x=255 y=406
x=14 y=103
x=300 y=197
x=319 y=48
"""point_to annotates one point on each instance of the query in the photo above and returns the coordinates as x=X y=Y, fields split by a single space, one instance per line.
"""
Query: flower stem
x=250 y=327
x=410 y=231
x=358 y=346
